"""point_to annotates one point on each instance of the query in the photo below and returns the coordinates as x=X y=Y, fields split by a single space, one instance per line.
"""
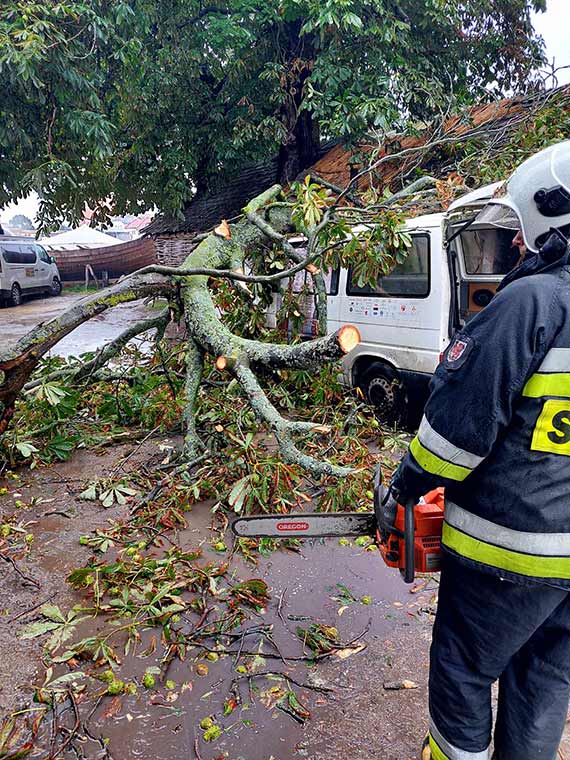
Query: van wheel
x=55 y=286
x=15 y=295
x=380 y=386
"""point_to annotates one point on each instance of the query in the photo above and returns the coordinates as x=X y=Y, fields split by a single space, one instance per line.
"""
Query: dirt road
x=17 y=321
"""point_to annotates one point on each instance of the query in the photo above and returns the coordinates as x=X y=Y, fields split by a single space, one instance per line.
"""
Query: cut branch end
x=224 y=362
x=348 y=338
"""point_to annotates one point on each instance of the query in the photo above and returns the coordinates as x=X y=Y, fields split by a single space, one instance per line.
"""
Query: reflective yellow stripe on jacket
x=552 y=377
x=437 y=455
x=538 y=555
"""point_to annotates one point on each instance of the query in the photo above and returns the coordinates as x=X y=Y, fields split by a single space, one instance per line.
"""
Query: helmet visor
x=497 y=215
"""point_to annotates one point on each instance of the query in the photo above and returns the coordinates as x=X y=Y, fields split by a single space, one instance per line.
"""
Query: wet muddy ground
x=358 y=716
x=354 y=716
x=17 y=321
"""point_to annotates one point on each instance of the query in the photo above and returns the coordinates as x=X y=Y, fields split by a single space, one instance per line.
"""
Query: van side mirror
x=52 y=259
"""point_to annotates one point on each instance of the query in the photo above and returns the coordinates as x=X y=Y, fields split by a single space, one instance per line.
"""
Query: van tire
x=15 y=298
x=381 y=388
x=55 y=289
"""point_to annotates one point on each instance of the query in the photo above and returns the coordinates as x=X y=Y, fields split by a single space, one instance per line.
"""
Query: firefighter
x=496 y=434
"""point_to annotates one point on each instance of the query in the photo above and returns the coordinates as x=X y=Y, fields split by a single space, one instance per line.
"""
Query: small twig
x=94 y=708
x=272 y=641
x=71 y=735
x=23 y=576
x=356 y=638
x=60 y=512
x=281 y=705
x=238 y=653
x=32 y=608
x=165 y=369
x=99 y=739
x=123 y=462
x=285 y=677
x=280 y=607
x=169 y=659
x=351 y=416
x=54 y=729
x=271 y=656
x=196 y=749
x=177 y=469
x=155 y=491
x=157 y=534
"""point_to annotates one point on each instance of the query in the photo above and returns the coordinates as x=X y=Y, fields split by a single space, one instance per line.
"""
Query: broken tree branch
x=222 y=252
x=86 y=370
x=17 y=362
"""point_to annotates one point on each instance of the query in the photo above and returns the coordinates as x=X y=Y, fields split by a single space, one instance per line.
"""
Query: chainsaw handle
x=409 y=572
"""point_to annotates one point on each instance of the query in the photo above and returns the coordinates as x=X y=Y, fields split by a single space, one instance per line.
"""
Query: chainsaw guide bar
x=311 y=525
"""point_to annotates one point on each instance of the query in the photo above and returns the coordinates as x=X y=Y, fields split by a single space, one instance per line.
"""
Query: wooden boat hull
x=117 y=260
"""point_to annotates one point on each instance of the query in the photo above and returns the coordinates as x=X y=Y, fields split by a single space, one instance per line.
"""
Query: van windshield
x=488 y=251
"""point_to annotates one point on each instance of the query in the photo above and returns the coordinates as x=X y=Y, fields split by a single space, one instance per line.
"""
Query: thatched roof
x=205 y=211
x=492 y=123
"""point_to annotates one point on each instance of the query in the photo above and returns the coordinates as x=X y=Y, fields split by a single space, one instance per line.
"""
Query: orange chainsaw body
x=427 y=540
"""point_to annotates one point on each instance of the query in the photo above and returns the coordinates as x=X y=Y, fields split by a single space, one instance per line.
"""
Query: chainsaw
x=412 y=544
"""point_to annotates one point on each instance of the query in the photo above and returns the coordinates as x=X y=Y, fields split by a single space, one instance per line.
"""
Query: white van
x=451 y=272
x=25 y=268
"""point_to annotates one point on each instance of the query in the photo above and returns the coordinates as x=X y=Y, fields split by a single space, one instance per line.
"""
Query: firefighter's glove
x=388 y=510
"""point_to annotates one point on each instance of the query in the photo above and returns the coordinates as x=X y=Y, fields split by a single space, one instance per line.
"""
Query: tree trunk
x=300 y=147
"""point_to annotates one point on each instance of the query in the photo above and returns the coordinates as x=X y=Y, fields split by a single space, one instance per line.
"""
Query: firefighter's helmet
x=535 y=198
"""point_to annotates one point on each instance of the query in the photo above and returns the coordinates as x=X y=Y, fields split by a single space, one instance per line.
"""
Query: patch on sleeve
x=458 y=352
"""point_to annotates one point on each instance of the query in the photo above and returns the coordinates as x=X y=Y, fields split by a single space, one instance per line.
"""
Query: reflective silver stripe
x=454 y=753
x=437 y=444
x=538 y=544
x=556 y=360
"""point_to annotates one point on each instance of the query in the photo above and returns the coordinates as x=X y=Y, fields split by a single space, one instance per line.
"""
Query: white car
x=25 y=268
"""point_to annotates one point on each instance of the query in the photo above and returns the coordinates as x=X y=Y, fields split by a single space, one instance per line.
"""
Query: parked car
x=25 y=268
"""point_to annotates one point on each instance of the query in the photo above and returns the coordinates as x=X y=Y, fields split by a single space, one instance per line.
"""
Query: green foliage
x=310 y=202
x=143 y=102
x=55 y=418
x=550 y=124
x=108 y=492
x=318 y=637
x=60 y=626
x=60 y=66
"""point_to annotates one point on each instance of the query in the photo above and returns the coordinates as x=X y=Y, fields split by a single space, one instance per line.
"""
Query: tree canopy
x=21 y=222
x=145 y=102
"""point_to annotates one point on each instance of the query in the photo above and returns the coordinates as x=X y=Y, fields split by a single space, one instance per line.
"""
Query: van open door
x=479 y=256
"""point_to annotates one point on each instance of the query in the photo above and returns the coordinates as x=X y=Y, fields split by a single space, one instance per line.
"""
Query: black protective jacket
x=496 y=431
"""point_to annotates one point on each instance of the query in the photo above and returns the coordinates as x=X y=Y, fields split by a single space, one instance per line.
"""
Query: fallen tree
x=223 y=253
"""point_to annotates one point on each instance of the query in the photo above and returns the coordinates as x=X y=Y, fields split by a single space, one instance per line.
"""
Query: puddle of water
x=302 y=586
x=305 y=582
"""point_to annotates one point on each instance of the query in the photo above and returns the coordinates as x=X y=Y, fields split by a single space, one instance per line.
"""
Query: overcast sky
x=554 y=26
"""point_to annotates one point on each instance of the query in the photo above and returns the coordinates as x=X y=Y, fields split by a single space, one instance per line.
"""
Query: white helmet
x=535 y=198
